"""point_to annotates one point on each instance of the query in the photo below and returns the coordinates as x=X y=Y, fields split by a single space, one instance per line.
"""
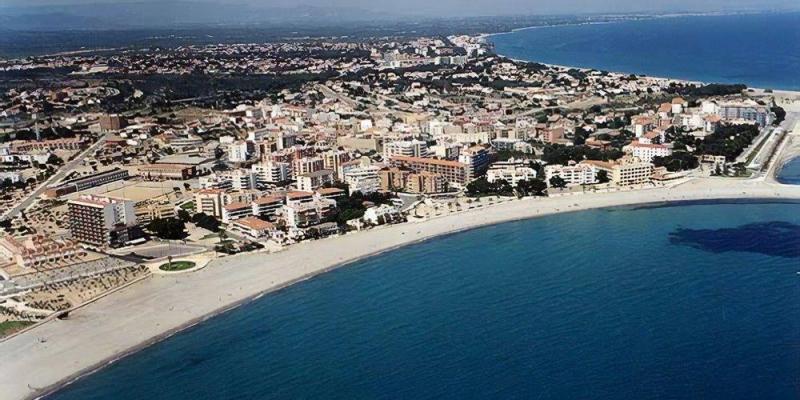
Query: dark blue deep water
x=758 y=50
x=698 y=301
x=790 y=172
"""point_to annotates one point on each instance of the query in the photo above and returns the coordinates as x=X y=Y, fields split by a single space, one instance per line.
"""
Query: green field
x=177 y=266
x=9 y=327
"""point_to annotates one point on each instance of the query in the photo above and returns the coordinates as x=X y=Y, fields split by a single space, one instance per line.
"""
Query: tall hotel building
x=102 y=221
x=453 y=172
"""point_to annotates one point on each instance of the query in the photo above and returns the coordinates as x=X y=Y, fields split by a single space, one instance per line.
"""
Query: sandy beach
x=161 y=305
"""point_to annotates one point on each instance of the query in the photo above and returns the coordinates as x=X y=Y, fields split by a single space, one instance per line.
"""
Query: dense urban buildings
x=152 y=154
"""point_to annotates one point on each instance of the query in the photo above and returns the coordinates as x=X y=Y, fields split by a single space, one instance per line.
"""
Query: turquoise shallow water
x=695 y=301
x=760 y=50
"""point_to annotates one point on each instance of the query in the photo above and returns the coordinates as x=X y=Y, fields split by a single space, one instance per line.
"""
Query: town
x=118 y=165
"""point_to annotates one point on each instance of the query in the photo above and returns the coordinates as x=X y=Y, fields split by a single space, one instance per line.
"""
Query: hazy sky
x=486 y=7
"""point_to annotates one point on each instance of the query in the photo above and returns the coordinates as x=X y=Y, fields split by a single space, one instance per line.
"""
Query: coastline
x=488 y=38
x=160 y=306
x=632 y=17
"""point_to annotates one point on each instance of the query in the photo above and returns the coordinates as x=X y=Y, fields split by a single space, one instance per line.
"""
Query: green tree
x=167 y=228
x=558 y=182
x=602 y=176
x=184 y=215
x=206 y=222
x=532 y=187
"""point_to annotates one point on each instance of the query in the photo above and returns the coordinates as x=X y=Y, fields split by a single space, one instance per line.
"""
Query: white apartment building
x=212 y=201
x=238 y=151
x=477 y=160
x=272 y=172
x=626 y=171
x=304 y=214
x=236 y=179
x=364 y=179
x=408 y=148
x=447 y=151
x=578 y=174
x=333 y=159
x=511 y=173
x=307 y=165
x=314 y=180
x=236 y=210
x=102 y=221
x=646 y=152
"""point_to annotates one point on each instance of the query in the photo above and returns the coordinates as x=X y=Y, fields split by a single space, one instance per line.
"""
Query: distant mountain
x=172 y=14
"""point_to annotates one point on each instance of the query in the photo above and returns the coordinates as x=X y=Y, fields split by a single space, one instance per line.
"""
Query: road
x=60 y=174
x=328 y=92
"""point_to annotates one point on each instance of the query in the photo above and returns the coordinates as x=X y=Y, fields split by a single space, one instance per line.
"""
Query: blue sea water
x=760 y=50
x=790 y=172
x=671 y=302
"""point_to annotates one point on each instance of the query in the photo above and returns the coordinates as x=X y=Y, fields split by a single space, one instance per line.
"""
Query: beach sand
x=50 y=355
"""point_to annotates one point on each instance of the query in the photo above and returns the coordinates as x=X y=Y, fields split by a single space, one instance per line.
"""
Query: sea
x=790 y=172
x=759 y=50
x=679 y=301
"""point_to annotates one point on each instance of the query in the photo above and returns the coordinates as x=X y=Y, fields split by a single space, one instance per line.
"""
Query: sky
x=444 y=8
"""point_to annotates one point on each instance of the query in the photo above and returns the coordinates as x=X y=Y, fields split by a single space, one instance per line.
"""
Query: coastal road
x=60 y=174
x=789 y=148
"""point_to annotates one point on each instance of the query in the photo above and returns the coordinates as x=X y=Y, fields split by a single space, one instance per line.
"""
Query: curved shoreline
x=488 y=37
x=137 y=317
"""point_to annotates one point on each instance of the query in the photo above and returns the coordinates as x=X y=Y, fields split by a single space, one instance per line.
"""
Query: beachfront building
x=38 y=251
x=454 y=172
x=477 y=160
x=510 y=171
x=267 y=207
x=626 y=171
x=300 y=215
x=746 y=110
x=393 y=179
x=425 y=183
x=402 y=180
x=256 y=229
x=573 y=175
x=236 y=210
x=382 y=214
x=102 y=221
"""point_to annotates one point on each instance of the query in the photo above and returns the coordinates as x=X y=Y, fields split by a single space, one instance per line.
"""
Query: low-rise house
x=382 y=214
x=39 y=250
x=254 y=228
